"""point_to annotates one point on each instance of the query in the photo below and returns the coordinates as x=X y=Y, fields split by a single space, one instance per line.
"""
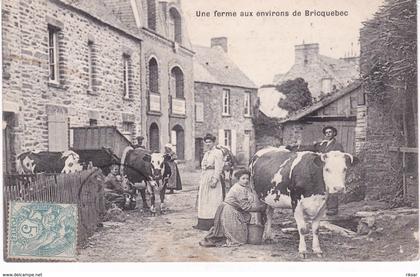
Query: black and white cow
x=48 y=162
x=139 y=165
x=301 y=181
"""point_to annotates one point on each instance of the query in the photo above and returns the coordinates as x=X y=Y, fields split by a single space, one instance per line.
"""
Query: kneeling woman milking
x=234 y=214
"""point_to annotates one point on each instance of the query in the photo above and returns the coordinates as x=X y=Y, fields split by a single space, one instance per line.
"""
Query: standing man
x=328 y=144
x=139 y=142
x=210 y=192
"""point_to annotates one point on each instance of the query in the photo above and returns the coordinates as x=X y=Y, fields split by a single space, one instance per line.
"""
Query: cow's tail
x=123 y=158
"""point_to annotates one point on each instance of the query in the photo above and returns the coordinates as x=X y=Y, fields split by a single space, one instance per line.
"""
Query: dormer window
x=175 y=32
x=151 y=14
x=326 y=85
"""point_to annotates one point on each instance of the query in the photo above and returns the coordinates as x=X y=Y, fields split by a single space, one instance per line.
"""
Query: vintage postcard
x=210 y=131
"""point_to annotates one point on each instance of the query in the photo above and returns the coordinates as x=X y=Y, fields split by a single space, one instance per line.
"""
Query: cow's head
x=71 y=162
x=25 y=164
x=158 y=164
x=335 y=164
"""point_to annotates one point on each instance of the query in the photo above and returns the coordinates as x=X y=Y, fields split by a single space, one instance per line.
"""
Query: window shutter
x=58 y=139
x=233 y=131
x=199 y=112
x=221 y=137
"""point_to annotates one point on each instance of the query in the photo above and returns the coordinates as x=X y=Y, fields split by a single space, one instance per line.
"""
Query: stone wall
x=26 y=31
x=386 y=107
x=26 y=74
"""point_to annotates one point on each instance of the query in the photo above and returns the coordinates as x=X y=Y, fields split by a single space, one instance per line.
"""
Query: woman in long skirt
x=210 y=192
x=234 y=214
x=174 y=182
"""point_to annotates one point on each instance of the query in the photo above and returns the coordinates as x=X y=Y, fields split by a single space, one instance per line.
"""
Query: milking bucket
x=255 y=229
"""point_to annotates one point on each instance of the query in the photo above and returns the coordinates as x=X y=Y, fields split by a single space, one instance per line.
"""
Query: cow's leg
x=316 y=248
x=315 y=240
x=162 y=197
x=151 y=191
x=302 y=229
x=268 y=235
x=143 y=198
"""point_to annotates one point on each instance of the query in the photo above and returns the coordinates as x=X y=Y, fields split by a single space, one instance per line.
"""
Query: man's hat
x=330 y=128
x=209 y=137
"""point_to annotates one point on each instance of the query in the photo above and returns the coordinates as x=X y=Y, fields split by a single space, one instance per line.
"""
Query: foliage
x=389 y=47
x=297 y=95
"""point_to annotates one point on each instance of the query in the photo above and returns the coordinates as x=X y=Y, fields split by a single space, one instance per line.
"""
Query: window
x=151 y=14
x=326 y=85
x=175 y=32
x=53 y=54
x=177 y=82
x=90 y=64
x=126 y=76
x=153 y=76
x=199 y=112
x=226 y=102
x=93 y=122
x=247 y=104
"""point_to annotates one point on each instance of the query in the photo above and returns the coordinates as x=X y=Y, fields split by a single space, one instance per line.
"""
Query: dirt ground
x=171 y=238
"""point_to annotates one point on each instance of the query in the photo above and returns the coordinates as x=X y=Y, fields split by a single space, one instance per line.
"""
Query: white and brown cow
x=48 y=162
x=161 y=172
x=139 y=165
x=301 y=181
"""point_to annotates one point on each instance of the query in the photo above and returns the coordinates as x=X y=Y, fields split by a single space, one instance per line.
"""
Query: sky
x=264 y=46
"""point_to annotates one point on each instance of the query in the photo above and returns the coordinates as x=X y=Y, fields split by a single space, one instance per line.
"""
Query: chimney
x=306 y=53
x=220 y=41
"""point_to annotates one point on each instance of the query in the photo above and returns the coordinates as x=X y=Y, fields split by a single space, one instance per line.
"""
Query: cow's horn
x=350 y=156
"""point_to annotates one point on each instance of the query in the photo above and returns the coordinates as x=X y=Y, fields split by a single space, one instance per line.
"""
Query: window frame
x=53 y=31
x=226 y=102
x=227 y=138
x=126 y=77
x=91 y=65
x=330 y=85
x=247 y=104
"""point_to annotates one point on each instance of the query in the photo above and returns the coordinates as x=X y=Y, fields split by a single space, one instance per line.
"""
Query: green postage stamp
x=42 y=231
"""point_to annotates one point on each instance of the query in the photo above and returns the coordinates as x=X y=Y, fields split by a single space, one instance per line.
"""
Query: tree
x=297 y=95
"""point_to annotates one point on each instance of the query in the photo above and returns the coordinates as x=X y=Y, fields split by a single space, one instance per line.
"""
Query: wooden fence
x=83 y=188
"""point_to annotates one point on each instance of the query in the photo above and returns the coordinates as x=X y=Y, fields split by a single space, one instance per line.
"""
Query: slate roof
x=322 y=103
x=213 y=65
x=102 y=12
x=340 y=69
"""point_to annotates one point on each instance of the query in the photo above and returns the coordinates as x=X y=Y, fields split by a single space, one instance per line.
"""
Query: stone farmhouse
x=85 y=63
x=224 y=99
x=323 y=74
